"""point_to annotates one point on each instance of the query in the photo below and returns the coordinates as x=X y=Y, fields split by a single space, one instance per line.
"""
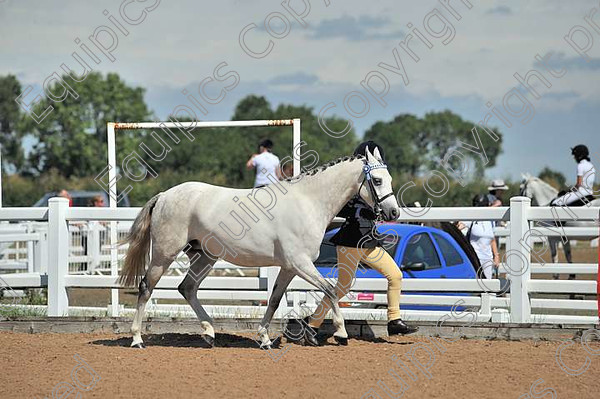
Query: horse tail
x=138 y=252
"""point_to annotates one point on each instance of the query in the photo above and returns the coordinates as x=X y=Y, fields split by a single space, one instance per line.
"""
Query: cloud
x=500 y=10
x=354 y=29
x=298 y=78
x=562 y=95
x=560 y=61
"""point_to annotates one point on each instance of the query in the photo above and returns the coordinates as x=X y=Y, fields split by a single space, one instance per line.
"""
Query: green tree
x=415 y=145
x=554 y=178
x=219 y=155
x=72 y=139
x=13 y=157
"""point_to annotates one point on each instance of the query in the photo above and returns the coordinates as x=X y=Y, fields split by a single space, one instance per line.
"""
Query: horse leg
x=158 y=266
x=568 y=256
x=284 y=278
x=200 y=265
x=553 y=243
x=309 y=272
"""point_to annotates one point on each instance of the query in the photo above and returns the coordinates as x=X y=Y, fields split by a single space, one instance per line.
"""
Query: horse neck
x=333 y=187
x=543 y=194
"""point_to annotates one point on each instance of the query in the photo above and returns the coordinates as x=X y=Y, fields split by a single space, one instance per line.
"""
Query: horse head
x=376 y=188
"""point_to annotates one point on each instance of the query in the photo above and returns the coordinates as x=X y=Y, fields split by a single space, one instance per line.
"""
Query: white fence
x=517 y=306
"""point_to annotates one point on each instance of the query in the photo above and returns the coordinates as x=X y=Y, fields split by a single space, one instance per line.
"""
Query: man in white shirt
x=265 y=162
x=586 y=176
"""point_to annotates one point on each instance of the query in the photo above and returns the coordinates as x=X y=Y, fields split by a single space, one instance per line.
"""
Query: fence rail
x=62 y=249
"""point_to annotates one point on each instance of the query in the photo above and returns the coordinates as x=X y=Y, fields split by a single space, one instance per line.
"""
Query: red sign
x=366 y=297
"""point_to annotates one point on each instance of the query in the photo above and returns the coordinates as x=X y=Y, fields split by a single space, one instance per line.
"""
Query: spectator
x=265 y=162
x=481 y=237
x=97 y=201
x=65 y=194
x=496 y=191
x=287 y=171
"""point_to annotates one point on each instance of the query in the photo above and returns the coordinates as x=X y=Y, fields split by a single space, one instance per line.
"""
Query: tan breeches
x=376 y=258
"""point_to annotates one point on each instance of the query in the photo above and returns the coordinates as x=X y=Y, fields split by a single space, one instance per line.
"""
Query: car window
x=420 y=249
x=449 y=253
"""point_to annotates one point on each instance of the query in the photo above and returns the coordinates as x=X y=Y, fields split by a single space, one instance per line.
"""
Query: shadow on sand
x=183 y=341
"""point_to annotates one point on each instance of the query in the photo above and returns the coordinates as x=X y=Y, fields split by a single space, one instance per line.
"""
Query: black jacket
x=359 y=223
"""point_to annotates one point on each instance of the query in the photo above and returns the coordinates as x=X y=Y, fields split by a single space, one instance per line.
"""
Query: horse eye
x=377 y=181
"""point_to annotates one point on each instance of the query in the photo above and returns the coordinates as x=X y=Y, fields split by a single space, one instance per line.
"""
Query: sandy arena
x=177 y=365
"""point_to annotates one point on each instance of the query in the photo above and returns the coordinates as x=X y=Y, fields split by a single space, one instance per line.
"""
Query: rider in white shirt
x=265 y=162
x=586 y=176
x=482 y=239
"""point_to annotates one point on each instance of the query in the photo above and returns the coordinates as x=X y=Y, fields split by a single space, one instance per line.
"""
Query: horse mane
x=541 y=181
x=321 y=168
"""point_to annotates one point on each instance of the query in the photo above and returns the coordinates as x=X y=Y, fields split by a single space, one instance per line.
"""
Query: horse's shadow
x=178 y=340
x=222 y=340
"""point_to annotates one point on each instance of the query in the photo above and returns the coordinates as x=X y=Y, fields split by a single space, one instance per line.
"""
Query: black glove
x=367 y=213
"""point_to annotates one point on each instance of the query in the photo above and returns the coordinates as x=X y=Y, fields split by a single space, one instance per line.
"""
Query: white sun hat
x=498 y=185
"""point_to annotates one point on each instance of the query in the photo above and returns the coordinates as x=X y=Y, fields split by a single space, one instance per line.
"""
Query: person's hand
x=460 y=225
x=368 y=214
x=496 y=259
x=249 y=163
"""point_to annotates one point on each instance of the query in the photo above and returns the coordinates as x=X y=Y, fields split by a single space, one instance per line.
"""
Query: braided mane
x=321 y=168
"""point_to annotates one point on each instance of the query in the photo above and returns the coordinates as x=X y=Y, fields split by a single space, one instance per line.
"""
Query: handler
x=583 y=192
x=355 y=242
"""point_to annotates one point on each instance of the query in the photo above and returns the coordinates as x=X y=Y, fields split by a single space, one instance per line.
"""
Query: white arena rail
x=517 y=306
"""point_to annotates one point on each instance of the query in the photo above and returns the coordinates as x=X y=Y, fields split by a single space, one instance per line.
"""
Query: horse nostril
x=394 y=213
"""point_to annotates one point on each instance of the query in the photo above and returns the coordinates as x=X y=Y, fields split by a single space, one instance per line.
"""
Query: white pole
x=112 y=201
x=296 y=145
x=93 y=244
x=0 y=176
x=197 y=124
x=519 y=260
x=58 y=256
x=112 y=165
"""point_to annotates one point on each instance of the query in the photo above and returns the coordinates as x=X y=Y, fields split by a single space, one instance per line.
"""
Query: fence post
x=93 y=246
x=58 y=256
x=518 y=259
x=30 y=251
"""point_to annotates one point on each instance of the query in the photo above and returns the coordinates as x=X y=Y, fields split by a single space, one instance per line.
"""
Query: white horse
x=542 y=194
x=282 y=224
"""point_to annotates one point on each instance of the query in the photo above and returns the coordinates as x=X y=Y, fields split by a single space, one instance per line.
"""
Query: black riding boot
x=399 y=327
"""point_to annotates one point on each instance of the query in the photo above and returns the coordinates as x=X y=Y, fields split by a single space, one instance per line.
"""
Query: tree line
x=68 y=148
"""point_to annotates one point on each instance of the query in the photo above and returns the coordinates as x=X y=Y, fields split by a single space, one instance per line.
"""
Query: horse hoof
x=209 y=340
x=139 y=345
x=341 y=340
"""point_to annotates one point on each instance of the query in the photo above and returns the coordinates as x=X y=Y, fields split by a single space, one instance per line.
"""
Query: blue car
x=419 y=251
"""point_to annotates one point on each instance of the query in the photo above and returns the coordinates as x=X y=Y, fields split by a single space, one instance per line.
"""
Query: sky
x=323 y=55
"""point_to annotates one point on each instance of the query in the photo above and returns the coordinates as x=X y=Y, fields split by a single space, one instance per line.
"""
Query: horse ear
x=377 y=154
x=370 y=157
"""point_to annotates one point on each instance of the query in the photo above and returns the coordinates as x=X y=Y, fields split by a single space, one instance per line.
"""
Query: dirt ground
x=178 y=365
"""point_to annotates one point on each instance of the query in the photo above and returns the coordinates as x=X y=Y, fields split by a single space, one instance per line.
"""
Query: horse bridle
x=367 y=168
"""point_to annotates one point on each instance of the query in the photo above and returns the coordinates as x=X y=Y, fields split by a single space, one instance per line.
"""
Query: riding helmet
x=580 y=152
x=362 y=149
